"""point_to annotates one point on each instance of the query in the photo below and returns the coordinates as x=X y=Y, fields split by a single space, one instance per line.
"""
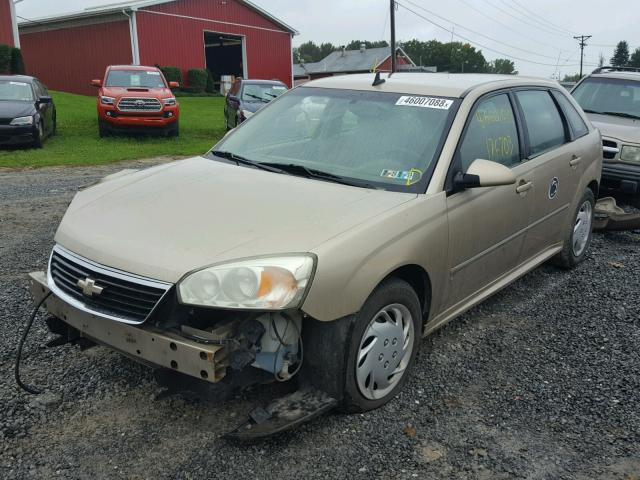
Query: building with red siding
x=228 y=37
x=8 y=26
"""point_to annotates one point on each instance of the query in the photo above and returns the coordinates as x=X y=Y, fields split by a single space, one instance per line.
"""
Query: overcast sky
x=538 y=31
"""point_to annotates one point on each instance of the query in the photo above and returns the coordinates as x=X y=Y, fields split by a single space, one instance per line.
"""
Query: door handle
x=575 y=161
x=524 y=186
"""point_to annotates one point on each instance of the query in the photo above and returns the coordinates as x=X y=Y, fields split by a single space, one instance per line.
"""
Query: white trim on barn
x=14 y=24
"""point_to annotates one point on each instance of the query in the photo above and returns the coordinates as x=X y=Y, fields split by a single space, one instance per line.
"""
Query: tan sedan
x=326 y=235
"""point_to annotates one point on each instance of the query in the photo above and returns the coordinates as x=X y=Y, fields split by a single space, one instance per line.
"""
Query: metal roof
x=340 y=61
x=112 y=8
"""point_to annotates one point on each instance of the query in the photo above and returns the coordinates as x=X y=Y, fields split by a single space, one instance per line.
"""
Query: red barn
x=8 y=26
x=228 y=37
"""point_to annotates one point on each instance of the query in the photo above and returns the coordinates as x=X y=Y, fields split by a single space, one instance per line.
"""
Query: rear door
x=558 y=168
x=487 y=226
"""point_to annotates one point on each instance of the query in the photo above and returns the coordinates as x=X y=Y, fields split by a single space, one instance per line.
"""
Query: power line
x=546 y=20
x=535 y=18
x=478 y=33
x=474 y=42
x=518 y=32
x=506 y=12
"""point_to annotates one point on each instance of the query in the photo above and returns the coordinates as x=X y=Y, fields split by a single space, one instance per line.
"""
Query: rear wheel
x=578 y=234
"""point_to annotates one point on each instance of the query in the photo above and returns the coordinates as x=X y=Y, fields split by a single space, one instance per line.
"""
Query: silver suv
x=611 y=98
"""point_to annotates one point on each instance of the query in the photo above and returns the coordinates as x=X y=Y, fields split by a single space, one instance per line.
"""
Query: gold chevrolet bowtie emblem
x=89 y=287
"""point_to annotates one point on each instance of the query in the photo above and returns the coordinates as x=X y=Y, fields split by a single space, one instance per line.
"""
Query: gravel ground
x=541 y=381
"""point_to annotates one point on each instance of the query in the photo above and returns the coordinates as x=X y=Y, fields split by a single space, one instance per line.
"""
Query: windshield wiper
x=586 y=110
x=256 y=97
x=622 y=114
x=307 y=172
x=245 y=161
x=271 y=95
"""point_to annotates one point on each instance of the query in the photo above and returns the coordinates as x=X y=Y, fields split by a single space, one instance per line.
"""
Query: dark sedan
x=246 y=97
x=27 y=112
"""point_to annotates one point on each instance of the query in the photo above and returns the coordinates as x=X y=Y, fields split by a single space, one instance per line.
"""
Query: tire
x=103 y=129
x=343 y=372
x=54 y=127
x=174 y=132
x=39 y=140
x=578 y=235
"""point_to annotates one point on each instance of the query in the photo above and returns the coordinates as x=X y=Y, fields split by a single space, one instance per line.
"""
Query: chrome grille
x=122 y=296
x=131 y=104
x=610 y=149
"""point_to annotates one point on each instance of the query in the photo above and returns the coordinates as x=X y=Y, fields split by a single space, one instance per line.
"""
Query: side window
x=544 y=123
x=43 y=89
x=578 y=126
x=491 y=134
x=37 y=88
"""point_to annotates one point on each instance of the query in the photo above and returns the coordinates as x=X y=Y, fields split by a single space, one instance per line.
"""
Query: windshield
x=384 y=140
x=135 y=79
x=609 y=95
x=253 y=92
x=16 y=91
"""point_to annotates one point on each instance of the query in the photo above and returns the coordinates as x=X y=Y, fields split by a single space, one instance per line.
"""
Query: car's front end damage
x=145 y=320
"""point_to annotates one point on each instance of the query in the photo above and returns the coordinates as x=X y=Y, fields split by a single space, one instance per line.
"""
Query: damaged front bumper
x=148 y=345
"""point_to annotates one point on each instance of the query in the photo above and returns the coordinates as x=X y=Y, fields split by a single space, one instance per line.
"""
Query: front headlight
x=247 y=114
x=169 y=102
x=107 y=100
x=22 y=121
x=630 y=154
x=276 y=283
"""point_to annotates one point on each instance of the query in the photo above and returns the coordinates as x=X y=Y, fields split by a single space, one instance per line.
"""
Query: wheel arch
x=419 y=279
x=594 y=187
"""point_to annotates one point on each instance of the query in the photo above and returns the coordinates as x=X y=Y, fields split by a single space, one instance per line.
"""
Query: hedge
x=197 y=79
x=211 y=85
x=5 y=59
x=172 y=74
x=17 y=62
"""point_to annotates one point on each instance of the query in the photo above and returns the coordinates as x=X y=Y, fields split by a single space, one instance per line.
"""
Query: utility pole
x=582 y=39
x=394 y=60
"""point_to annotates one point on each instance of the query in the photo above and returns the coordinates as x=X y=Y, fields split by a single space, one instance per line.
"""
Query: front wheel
x=578 y=234
x=39 y=136
x=103 y=129
x=175 y=130
x=366 y=362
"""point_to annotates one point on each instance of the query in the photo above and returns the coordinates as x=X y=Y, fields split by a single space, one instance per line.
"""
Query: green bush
x=5 y=59
x=197 y=79
x=17 y=62
x=172 y=74
x=211 y=85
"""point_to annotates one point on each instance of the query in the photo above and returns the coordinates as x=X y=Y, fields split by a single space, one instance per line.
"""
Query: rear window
x=544 y=123
x=135 y=79
x=578 y=127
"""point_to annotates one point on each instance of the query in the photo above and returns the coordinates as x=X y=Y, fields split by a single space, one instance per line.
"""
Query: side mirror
x=96 y=83
x=485 y=173
x=174 y=85
x=44 y=100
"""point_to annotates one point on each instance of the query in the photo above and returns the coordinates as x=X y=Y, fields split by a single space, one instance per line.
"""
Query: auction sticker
x=425 y=102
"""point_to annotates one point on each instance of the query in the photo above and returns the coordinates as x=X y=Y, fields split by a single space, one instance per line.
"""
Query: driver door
x=487 y=226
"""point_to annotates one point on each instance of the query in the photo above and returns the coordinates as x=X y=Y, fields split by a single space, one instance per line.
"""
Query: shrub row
x=11 y=61
x=199 y=80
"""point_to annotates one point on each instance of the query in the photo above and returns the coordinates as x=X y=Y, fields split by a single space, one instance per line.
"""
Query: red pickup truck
x=136 y=99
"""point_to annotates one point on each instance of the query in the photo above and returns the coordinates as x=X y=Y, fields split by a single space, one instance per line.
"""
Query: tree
x=635 y=59
x=621 y=55
x=502 y=66
x=355 y=44
x=448 y=57
x=571 y=78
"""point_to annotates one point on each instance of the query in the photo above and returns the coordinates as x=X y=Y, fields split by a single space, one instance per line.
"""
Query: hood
x=626 y=130
x=169 y=220
x=140 y=92
x=11 y=109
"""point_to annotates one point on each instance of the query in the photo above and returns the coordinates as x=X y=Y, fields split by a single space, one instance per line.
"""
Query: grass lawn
x=78 y=143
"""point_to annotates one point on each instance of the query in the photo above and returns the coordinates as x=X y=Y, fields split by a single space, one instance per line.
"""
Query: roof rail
x=616 y=69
